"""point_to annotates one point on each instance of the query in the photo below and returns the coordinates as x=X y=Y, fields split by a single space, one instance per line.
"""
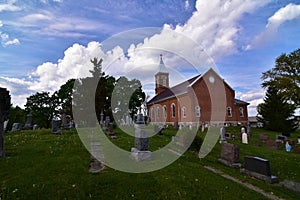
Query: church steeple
x=161 y=77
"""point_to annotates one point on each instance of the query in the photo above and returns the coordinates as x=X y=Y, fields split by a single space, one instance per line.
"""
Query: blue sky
x=46 y=42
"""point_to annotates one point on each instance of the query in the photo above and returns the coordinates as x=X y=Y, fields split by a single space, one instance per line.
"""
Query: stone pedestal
x=141 y=143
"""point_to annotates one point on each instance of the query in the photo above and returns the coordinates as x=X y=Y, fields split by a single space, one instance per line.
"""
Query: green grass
x=40 y=165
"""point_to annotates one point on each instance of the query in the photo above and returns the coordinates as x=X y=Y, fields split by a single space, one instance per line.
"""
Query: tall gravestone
x=222 y=134
x=4 y=115
x=28 y=124
x=141 y=143
x=55 y=126
x=230 y=155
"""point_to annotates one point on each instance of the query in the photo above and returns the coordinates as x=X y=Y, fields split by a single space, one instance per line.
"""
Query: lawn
x=40 y=165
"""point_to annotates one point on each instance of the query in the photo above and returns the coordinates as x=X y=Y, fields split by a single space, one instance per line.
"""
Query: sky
x=46 y=42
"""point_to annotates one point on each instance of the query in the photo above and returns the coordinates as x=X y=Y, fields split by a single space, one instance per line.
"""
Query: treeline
x=45 y=107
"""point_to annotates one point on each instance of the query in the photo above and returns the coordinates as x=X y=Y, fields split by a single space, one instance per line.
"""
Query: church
x=203 y=99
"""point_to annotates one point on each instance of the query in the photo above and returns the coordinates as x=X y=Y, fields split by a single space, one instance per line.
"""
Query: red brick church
x=195 y=101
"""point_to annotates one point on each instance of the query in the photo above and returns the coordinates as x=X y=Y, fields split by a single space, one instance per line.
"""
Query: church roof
x=240 y=102
x=181 y=88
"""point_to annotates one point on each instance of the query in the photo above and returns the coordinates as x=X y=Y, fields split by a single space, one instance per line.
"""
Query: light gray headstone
x=55 y=126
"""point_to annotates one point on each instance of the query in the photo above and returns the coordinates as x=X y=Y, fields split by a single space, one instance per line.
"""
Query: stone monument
x=230 y=155
x=55 y=126
x=244 y=136
x=140 y=151
x=16 y=127
x=4 y=115
x=28 y=124
x=222 y=134
x=101 y=118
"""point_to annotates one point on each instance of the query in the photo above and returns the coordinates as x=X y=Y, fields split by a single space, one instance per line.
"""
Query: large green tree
x=276 y=113
x=43 y=106
x=17 y=115
x=285 y=76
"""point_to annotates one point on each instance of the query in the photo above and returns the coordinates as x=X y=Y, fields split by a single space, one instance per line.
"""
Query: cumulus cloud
x=253 y=97
x=9 y=6
x=213 y=28
x=287 y=13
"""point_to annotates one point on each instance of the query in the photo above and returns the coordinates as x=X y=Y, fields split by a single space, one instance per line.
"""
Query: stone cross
x=4 y=115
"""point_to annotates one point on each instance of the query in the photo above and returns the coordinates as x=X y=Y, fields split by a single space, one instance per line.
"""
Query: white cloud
x=6 y=42
x=253 y=97
x=1 y=23
x=9 y=6
x=287 y=13
x=11 y=42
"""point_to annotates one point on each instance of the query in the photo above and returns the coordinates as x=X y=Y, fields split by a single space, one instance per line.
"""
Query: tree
x=17 y=115
x=63 y=97
x=128 y=96
x=43 y=107
x=285 y=77
x=276 y=113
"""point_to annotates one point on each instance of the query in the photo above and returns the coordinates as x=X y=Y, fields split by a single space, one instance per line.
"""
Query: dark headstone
x=259 y=168
x=281 y=137
x=28 y=124
x=55 y=126
x=4 y=115
x=230 y=155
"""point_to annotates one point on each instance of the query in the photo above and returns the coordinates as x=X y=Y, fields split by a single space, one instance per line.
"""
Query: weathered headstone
x=202 y=128
x=273 y=144
x=230 y=155
x=96 y=155
x=101 y=118
x=28 y=124
x=55 y=126
x=176 y=126
x=35 y=127
x=263 y=138
x=16 y=127
x=222 y=134
x=259 y=168
x=4 y=115
x=249 y=132
x=141 y=143
x=244 y=136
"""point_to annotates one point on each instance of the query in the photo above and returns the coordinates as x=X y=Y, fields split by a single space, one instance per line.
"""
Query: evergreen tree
x=276 y=113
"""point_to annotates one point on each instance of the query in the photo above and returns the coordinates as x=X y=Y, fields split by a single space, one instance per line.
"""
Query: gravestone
x=249 y=132
x=140 y=151
x=157 y=130
x=28 y=124
x=222 y=134
x=35 y=127
x=65 y=120
x=281 y=137
x=55 y=126
x=230 y=155
x=106 y=123
x=244 y=136
x=273 y=144
x=16 y=127
x=202 y=128
x=4 y=115
x=176 y=126
x=259 y=168
x=298 y=139
x=101 y=118
x=263 y=138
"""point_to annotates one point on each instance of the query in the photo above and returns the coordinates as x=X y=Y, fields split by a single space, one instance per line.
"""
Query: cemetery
x=50 y=166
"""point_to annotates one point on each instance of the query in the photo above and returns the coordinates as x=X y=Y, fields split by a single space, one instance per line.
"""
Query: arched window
x=229 y=112
x=158 y=112
x=173 y=114
x=184 y=112
x=165 y=111
x=241 y=112
x=197 y=111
